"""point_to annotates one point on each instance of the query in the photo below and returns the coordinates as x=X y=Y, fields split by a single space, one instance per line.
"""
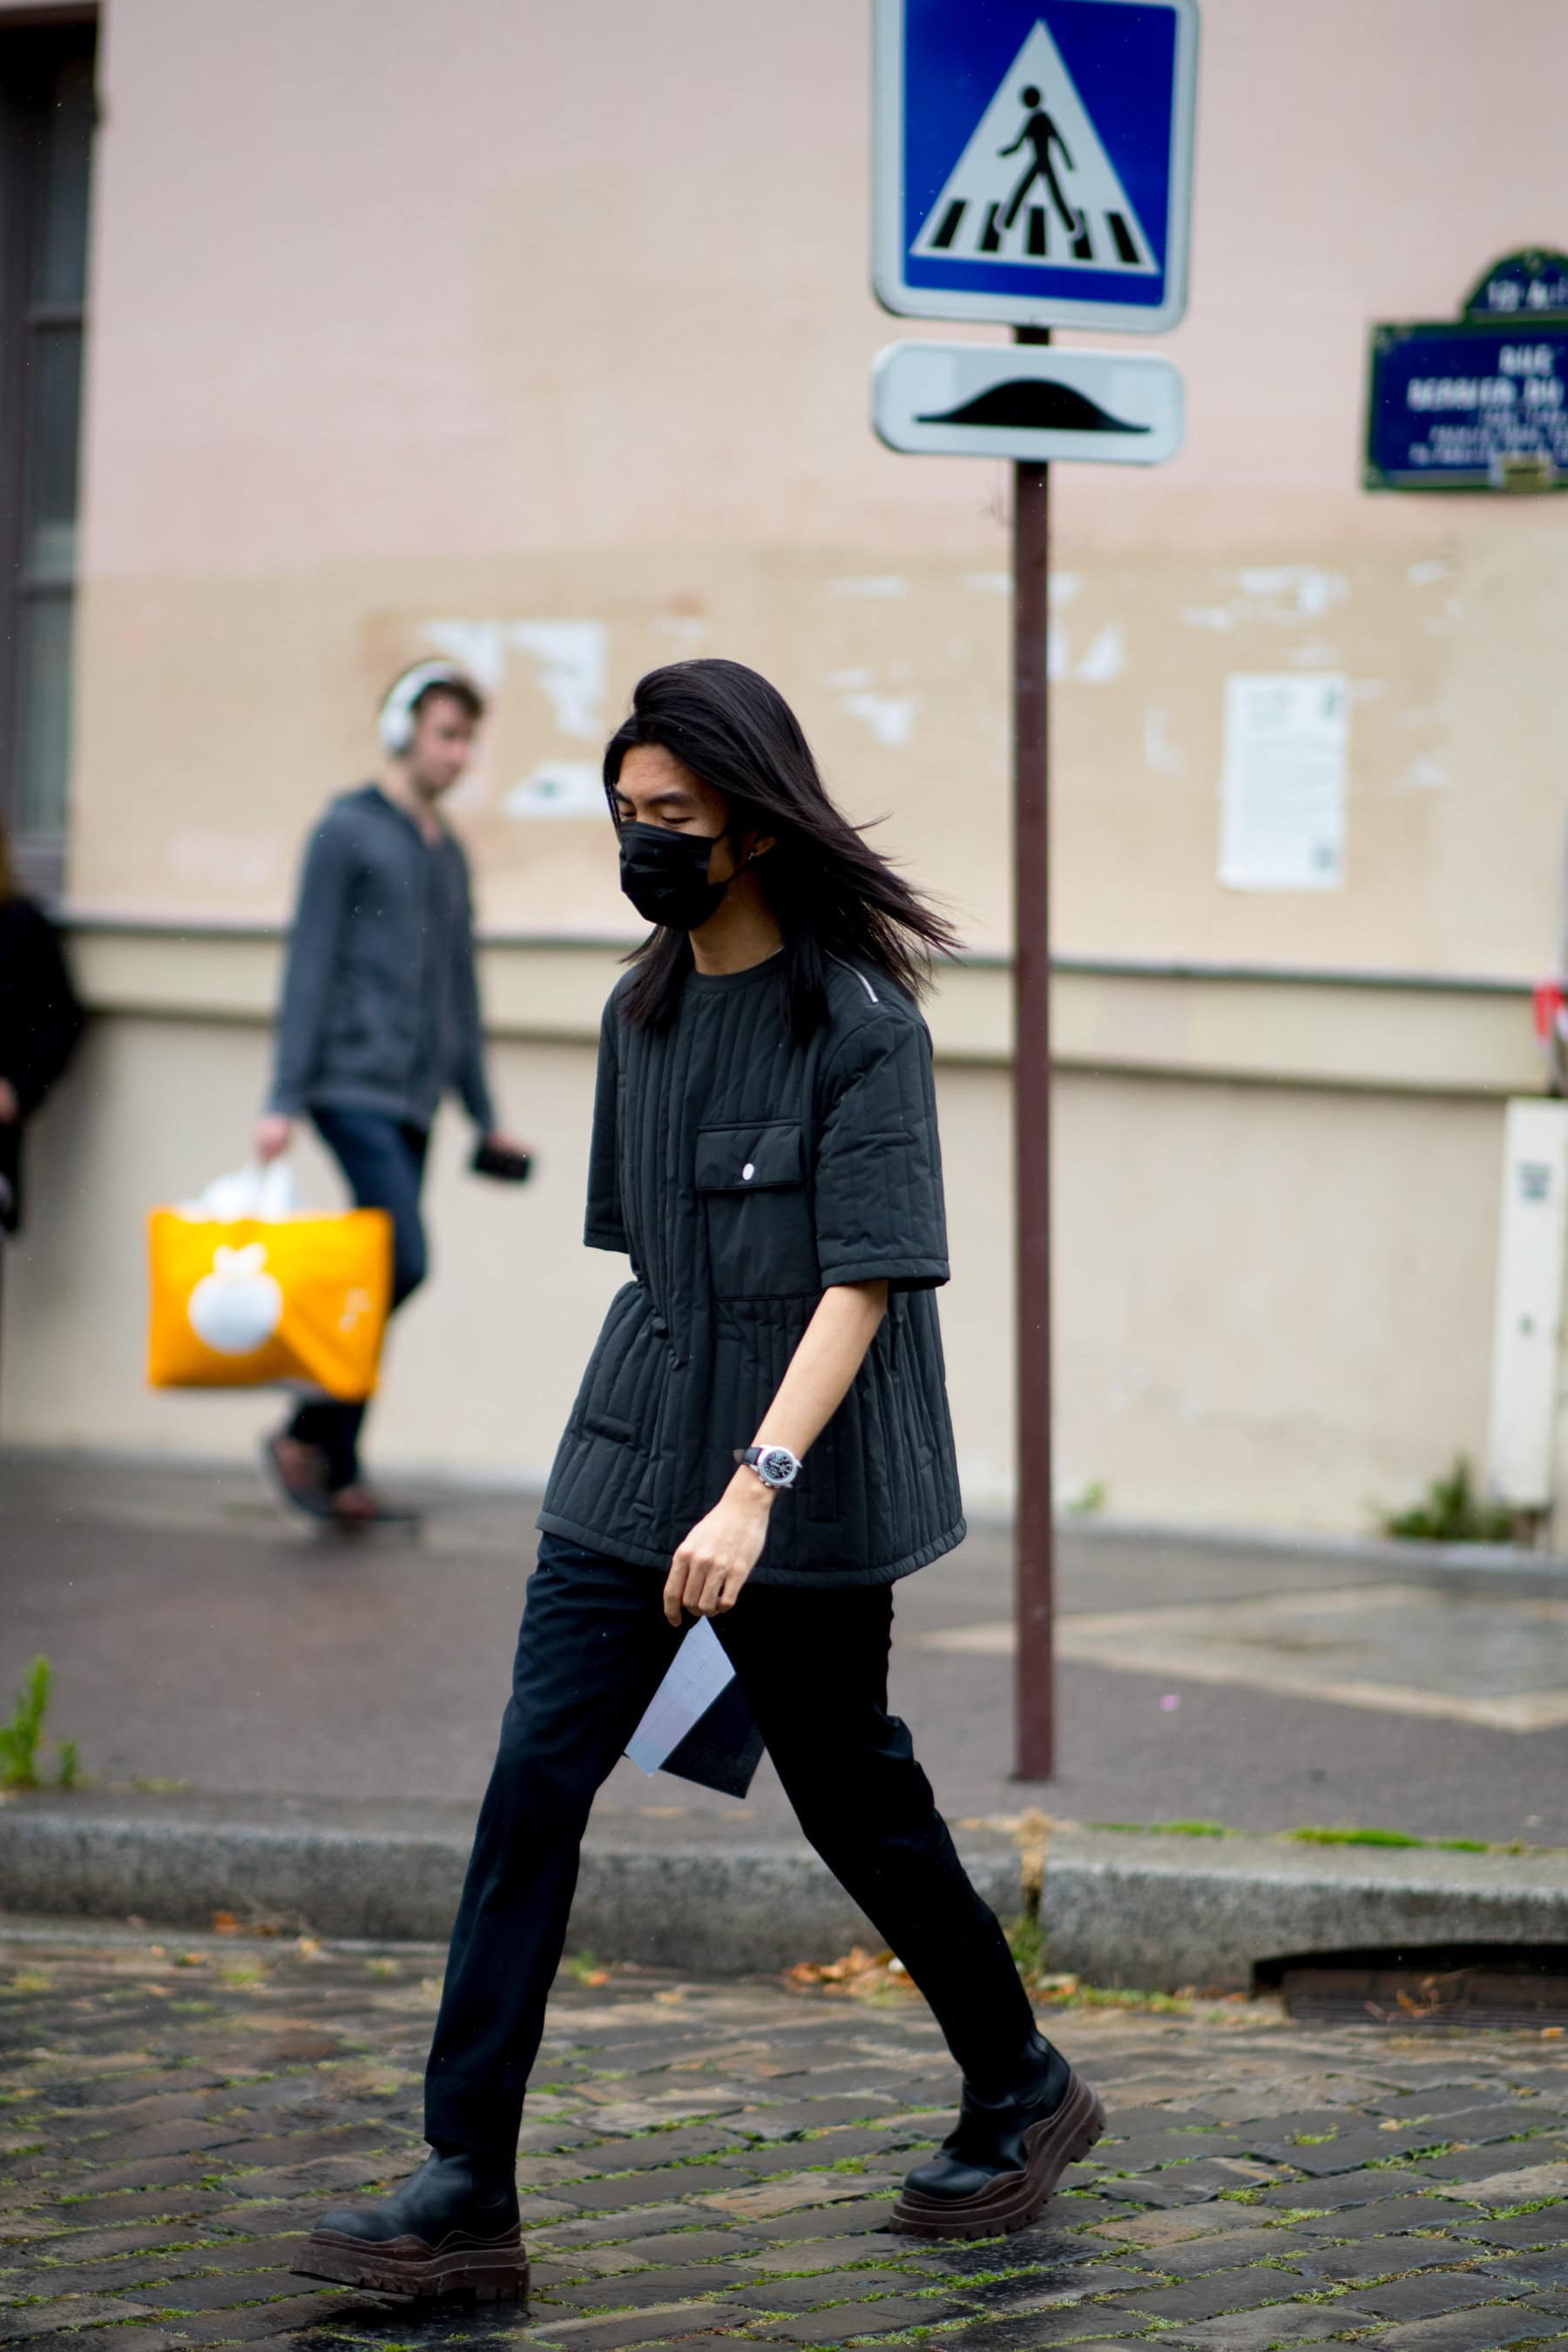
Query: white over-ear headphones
x=394 y=721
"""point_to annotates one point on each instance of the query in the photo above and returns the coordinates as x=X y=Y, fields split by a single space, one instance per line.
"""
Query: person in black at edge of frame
x=760 y=1438
x=380 y=1015
x=41 y=1022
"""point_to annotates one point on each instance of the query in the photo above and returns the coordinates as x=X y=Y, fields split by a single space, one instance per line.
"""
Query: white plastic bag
x=262 y=1188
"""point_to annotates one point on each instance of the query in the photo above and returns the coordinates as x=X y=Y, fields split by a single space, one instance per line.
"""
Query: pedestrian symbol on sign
x=1040 y=130
x=1067 y=210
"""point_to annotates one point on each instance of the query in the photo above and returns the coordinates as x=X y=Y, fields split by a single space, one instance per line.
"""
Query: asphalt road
x=197 y=1639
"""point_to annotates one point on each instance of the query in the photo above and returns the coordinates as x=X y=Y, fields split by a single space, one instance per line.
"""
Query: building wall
x=541 y=337
x=1274 y=1267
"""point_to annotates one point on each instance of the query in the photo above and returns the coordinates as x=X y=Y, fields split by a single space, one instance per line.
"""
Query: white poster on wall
x=1282 y=793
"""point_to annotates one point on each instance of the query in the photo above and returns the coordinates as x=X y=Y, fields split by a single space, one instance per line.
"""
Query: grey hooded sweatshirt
x=381 y=1007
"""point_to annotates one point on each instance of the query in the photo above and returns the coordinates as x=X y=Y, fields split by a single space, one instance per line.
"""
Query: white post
x=1526 y=1450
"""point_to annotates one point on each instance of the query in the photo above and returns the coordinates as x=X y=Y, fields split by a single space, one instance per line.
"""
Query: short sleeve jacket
x=744 y=1173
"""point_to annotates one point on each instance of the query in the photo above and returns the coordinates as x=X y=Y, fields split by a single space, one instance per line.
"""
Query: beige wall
x=555 y=314
x=541 y=335
x=1273 y=1304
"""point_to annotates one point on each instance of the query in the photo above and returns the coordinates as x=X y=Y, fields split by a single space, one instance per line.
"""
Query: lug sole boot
x=476 y=2270
x=450 y=2232
x=1010 y=2198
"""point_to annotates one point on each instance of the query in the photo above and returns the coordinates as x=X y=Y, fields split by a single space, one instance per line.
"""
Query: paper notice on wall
x=1282 y=793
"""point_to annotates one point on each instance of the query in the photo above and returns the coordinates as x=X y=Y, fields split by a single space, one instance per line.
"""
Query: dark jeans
x=592 y=1649
x=383 y=1162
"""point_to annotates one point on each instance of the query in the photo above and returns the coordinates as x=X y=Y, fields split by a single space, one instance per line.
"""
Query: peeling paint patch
x=1106 y=658
x=1306 y=589
x=477 y=646
x=877 y=583
x=1283 y=594
x=889 y=717
x=1422 y=575
x=842 y=679
x=571 y=662
x=1063 y=586
x=988 y=584
x=557 y=788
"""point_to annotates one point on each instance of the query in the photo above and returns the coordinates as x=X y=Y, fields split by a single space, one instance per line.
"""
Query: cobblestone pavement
x=706 y=2162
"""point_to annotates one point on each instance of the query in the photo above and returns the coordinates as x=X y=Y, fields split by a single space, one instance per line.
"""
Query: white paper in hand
x=698 y=1674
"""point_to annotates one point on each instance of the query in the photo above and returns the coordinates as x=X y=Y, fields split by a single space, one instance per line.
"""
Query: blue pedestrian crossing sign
x=1033 y=160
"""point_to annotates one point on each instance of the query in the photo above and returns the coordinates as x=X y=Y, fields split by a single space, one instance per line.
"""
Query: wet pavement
x=200 y=1641
x=707 y=2163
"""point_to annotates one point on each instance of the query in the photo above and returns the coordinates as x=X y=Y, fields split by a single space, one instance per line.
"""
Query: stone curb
x=1119 y=1910
x=1131 y=1910
x=726 y=1909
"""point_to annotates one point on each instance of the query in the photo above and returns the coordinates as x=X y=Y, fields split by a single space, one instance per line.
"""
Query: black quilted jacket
x=744 y=1174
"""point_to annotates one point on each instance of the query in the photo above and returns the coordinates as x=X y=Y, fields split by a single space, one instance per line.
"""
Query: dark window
x=46 y=147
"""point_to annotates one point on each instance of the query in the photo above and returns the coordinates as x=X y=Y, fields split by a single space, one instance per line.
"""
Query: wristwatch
x=775 y=1466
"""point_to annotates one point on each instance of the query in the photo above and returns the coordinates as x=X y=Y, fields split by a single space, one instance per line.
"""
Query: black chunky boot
x=996 y=2170
x=451 y=2231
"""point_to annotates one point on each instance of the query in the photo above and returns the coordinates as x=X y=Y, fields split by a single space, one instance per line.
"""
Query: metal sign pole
x=965 y=225
x=1036 y=1709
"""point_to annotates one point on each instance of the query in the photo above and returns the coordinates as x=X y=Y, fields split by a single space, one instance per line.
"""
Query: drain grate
x=1517 y=1986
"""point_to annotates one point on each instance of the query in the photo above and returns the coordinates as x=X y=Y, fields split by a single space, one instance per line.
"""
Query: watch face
x=778 y=1466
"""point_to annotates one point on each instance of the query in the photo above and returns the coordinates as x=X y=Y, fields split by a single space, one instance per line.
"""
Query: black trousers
x=814 y=1665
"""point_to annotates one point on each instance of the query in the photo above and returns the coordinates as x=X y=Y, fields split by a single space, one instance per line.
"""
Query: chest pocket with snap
x=760 y=1241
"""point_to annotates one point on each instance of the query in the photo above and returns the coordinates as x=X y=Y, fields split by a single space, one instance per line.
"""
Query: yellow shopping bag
x=254 y=1301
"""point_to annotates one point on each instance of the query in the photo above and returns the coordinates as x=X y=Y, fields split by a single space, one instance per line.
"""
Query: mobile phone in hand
x=505 y=1167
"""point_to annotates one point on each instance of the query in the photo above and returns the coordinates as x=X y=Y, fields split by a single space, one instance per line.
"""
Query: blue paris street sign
x=1478 y=402
x=1033 y=160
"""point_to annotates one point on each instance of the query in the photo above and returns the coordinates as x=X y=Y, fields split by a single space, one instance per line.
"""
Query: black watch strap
x=775 y=1466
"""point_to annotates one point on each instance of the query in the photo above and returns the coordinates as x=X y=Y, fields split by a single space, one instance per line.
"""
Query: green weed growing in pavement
x=1452 y=1512
x=1313 y=1835
x=22 y=1741
x=22 y=1736
x=1026 y=1942
x=1168 y=1829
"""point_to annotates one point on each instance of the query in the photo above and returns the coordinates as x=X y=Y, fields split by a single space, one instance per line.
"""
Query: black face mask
x=665 y=875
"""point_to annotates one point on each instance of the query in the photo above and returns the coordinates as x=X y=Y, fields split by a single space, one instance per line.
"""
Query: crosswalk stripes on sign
x=1033 y=183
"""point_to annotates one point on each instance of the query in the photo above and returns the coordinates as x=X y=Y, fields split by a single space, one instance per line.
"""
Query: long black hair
x=832 y=895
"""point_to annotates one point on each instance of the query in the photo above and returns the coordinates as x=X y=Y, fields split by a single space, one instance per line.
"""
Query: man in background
x=380 y=1017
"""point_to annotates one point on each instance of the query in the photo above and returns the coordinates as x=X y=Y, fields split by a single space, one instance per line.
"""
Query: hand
x=499 y=1140
x=713 y=1563
x=10 y=1104
x=274 y=1133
